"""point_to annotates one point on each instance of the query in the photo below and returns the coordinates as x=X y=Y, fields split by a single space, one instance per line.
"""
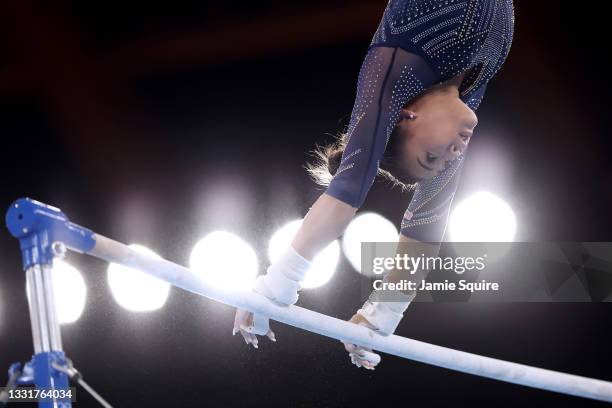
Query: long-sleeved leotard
x=420 y=43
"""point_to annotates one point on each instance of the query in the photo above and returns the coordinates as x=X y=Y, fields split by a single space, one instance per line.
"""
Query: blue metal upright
x=43 y=231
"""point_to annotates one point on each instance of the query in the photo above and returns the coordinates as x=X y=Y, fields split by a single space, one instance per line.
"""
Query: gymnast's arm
x=422 y=230
x=326 y=221
x=384 y=313
x=410 y=247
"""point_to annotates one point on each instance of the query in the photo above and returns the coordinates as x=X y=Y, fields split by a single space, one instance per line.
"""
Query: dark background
x=158 y=122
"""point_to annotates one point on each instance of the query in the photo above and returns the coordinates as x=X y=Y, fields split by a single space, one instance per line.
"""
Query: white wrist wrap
x=282 y=281
x=385 y=316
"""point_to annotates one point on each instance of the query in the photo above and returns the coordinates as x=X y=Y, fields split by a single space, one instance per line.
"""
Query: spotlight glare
x=69 y=291
x=225 y=261
x=135 y=290
x=482 y=217
x=366 y=227
x=324 y=264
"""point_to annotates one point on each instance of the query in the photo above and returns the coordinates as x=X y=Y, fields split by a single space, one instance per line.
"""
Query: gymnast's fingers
x=248 y=319
x=367 y=365
x=361 y=362
x=355 y=360
x=249 y=338
x=350 y=347
x=239 y=319
x=363 y=357
x=271 y=336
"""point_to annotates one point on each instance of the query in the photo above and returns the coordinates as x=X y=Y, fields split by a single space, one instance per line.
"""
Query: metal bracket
x=44 y=232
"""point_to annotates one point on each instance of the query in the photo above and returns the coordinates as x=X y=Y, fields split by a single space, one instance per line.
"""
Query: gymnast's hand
x=362 y=356
x=280 y=284
x=250 y=326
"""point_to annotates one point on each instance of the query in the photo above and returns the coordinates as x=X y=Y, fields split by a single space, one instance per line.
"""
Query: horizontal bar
x=305 y=319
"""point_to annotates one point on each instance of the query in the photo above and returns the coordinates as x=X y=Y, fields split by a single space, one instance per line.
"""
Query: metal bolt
x=25 y=230
x=59 y=249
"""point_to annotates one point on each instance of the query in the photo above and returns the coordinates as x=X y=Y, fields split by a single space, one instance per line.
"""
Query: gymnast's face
x=430 y=137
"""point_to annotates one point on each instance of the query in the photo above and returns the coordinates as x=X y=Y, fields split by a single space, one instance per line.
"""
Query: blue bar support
x=44 y=232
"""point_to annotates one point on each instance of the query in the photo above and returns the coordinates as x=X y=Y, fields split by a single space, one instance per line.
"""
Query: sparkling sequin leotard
x=420 y=43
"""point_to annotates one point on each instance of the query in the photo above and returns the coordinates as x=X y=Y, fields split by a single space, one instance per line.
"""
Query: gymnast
x=422 y=79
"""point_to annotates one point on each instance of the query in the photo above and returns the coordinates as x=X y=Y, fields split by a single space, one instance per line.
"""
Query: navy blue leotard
x=420 y=43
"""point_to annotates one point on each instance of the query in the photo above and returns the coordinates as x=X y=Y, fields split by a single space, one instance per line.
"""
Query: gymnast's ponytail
x=327 y=160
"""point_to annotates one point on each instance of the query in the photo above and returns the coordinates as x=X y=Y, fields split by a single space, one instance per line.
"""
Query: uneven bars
x=43 y=230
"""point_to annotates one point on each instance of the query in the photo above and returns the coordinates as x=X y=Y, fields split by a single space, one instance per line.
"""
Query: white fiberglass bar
x=501 y=370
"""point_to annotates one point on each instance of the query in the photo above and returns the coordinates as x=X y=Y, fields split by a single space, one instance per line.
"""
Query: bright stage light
x=69 y=291
x=482 y=217
x=324 y=264
x=136 y=290
x=367 y=227
x=224 y=260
